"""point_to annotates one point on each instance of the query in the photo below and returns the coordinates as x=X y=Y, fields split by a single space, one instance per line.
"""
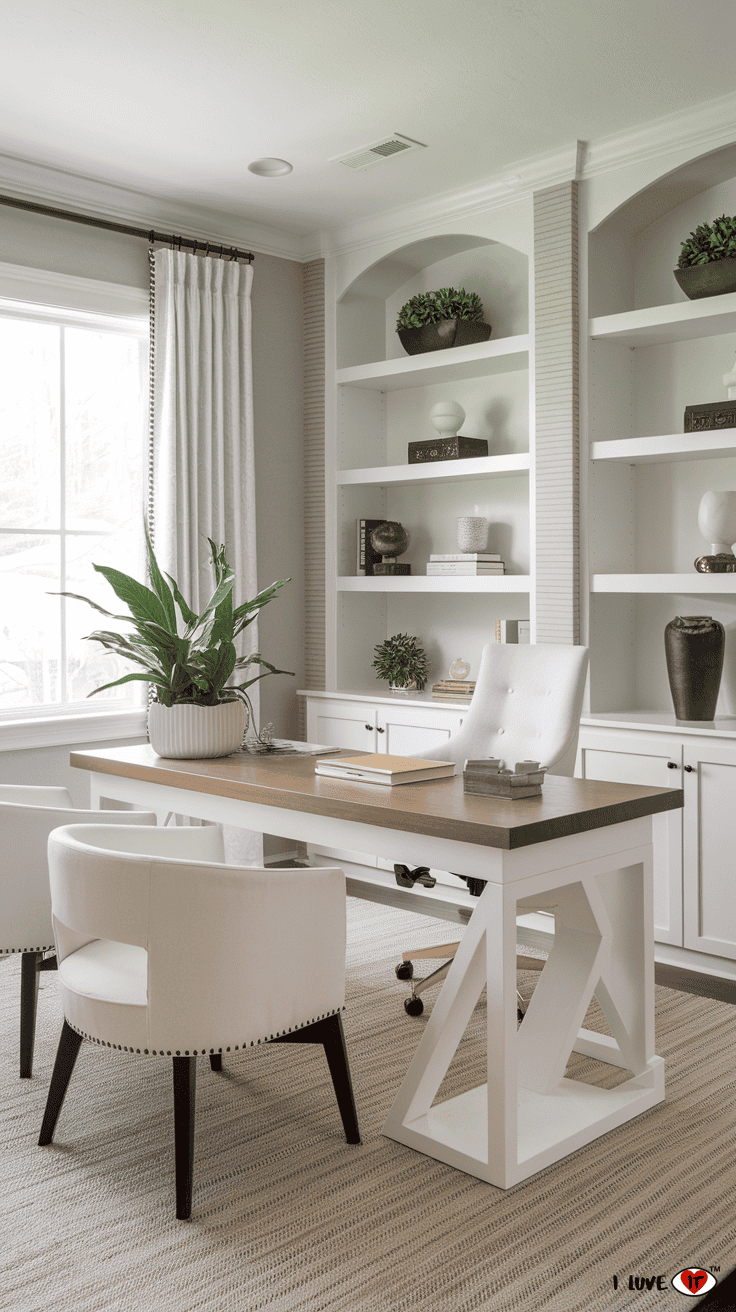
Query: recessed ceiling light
x=270 y=168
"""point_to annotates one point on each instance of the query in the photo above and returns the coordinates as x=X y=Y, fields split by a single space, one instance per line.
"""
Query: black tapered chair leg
x=337 y=1059
x=66 y=1055
x=216 y=1061
x=185 y=1084
x=330 y=1033
x=29 y=964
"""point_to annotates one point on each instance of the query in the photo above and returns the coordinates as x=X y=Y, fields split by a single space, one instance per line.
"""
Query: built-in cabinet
x=397 y=726
x=694 y=886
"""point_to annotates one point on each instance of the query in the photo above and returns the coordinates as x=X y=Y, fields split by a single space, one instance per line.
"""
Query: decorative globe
x=390 y=539
x=717 y=520
x=447 y=417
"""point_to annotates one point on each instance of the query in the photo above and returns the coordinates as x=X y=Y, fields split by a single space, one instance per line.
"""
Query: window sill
x=62 y=730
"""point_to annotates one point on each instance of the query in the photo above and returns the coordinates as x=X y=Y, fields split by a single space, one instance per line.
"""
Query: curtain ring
x=151 y=237
x=207 y=249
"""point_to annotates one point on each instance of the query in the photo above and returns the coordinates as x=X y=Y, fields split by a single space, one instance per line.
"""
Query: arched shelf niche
x=367 y=311
x=633 y=251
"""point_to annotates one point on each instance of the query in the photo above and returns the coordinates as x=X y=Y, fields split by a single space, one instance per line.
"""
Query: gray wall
x=42 y=243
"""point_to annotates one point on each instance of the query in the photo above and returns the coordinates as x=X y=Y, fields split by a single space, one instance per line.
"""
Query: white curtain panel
x=204 y=463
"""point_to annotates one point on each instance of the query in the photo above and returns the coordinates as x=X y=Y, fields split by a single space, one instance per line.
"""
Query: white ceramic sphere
x=447 y=417
x=717 y=519
x=472 y=533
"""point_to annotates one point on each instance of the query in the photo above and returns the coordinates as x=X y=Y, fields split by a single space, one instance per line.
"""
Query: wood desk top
x=438 y=807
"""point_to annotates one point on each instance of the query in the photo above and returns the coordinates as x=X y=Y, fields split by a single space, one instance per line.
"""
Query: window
x=73 y=393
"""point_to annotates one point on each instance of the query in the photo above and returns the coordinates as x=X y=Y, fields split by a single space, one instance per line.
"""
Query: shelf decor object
x=472 y=533
x=707 y=261
x=694 y=647
x=433 y=321
x=487 y=778
x=402 y=661
x=447 y=417
x=390 y=539
x=714 y=414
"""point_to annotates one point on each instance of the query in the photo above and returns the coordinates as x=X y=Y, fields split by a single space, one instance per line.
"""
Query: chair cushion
x=103 y=990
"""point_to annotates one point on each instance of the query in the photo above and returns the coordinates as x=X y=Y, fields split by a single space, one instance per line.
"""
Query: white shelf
x=673 y=446
x=692 y=584
x=440 y=471
x=505 y=583
x=724 y=726
x=504 y=355
x=668 y=323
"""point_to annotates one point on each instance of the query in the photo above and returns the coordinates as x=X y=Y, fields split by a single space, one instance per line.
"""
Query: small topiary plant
x=709 y=241
x=446 y=303
x=402 y=661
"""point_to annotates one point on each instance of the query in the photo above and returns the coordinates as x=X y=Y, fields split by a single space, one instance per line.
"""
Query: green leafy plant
x=446 y=303
x=401 y=660
x=709 y=241
x=188 y=658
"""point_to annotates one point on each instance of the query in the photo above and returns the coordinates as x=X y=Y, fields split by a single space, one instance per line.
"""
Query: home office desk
x=583 y=849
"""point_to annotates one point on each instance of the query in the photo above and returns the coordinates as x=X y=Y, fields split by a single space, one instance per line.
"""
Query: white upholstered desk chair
x=526 y=707
x=165 y=951
x=27 y=817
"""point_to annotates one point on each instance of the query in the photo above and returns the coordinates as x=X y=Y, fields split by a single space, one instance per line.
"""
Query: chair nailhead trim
x=7 y=952
x=199 y=1052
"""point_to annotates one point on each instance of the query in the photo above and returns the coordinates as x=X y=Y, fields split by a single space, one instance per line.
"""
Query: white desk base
x=527 y=1115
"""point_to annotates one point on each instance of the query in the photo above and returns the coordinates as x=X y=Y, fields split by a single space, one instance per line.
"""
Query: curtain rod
x=208 y=248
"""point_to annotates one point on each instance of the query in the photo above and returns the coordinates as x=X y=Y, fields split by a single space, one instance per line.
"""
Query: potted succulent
x=707 y=261
x=190 y=659
x=431 y=321
x=402 y=661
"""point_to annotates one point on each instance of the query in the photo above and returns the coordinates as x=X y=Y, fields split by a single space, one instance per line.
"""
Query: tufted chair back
x=526 y=706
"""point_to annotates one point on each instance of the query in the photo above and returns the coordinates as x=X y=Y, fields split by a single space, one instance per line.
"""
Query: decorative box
x=447 y=448
x=704 y=418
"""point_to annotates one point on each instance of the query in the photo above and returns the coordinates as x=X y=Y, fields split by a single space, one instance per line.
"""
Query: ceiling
x=175 y=98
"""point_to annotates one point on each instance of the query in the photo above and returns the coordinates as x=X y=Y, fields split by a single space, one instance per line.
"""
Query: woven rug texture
x=289 y=1218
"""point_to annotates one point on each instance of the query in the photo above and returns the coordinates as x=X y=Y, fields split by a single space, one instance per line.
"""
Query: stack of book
x=451 y=563
x=487 y=778
x=454 y=690
x=379 y=768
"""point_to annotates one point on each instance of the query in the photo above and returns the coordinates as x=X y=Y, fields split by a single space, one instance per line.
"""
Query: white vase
x=717 y=520
x=447 y=417
x=472 y=533
x=192 y=733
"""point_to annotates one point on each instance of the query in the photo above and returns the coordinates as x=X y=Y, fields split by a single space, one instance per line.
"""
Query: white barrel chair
x=166 y=951
x=27 y=816
x=526 y=707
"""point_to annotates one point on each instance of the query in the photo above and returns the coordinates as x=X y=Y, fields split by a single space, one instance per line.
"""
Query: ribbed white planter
x=193 y=732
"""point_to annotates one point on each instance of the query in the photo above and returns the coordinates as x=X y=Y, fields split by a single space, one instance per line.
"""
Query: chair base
x=328 y=1032
x=31 y=963
x=413 y=1005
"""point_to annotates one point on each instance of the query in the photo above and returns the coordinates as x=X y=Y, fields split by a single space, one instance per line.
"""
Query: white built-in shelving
x=441 y=471
x=456 y=583
x=679 y=322
x=669 y=447
x=693 y=584
x=498 y=355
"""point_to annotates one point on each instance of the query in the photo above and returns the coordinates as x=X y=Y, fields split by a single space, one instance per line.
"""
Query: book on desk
x=379 y=768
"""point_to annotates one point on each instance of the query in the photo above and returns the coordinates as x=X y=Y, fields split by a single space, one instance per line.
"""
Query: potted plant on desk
x=196 y=712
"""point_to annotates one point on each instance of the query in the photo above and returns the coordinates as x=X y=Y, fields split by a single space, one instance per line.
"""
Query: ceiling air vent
x=381 y=151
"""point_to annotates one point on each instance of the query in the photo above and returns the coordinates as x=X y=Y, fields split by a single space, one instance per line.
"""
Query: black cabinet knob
x=380 y=730
x=689 y=769
x=369 y=726
x=671 y=765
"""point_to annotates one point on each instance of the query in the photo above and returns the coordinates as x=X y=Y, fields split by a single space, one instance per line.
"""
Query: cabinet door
x=411 y=730
x=350 y=725
x=639 y=759
x=709 y=883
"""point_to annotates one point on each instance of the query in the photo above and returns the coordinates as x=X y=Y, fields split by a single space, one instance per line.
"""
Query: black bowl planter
x=448 y=332
x=712 y=279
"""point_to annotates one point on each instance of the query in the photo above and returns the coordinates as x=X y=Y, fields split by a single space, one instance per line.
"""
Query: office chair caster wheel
x=519 y=1015
x=404 y=970
x=413 y=1006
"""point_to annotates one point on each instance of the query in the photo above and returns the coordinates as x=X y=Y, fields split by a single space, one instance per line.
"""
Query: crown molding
x=695 y=131
x=25 y=180
x=408 y=222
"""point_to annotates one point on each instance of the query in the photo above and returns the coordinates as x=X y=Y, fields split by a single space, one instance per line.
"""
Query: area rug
x=288 y=1218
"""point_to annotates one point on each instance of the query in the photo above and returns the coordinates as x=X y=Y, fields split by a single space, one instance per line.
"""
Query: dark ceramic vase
x=694 y=646
x=716 y=278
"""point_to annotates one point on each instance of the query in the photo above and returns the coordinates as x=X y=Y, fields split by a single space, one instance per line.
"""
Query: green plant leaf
x=187 y=614
x=142 y=603
x=159 y=584
x=126 y=678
